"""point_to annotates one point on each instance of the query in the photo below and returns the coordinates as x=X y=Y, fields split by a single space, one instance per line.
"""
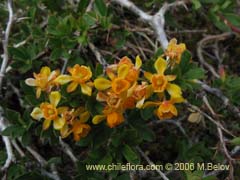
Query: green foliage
x=50 y=33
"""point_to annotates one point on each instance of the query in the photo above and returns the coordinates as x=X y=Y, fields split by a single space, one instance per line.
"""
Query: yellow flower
x=80 y=115
x=174 y=51
x=133 y=71
x=160 y=82
x=113 y=100
x=166 y=109
x=43 y=81
x=80 y=130
x=113 y=116
x=121 y=76
x=138 y=93
x=50 y=112
x=118 y=84
x=80 y=75
x=114 y=119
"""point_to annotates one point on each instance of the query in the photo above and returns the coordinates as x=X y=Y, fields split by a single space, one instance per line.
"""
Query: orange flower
x=80 y=130
x=160 y=82
x=50 y=112
x=120 y=85
x=133 y=71
x=43 y=81
x=174 y=51
x=129 y=103
x=114 y=119
x=113 y=116
x=80 y=75
x=166 y=110
x=75 y=115
x=121 y=76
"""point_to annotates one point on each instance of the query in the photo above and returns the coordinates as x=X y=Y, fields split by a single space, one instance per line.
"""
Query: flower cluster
x=119 y=89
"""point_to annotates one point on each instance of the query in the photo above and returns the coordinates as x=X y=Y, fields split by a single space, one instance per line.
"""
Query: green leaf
x=185 y=61
x=26 y=139
x=235 y=141
x=130 y=155
x=101 y=7
x=14 y=117
x=107 y=159
x=147 y=113
x=15 y=171
x=196 y=4
x=56 y=54
x=196 y=73
x=233 y=18
x=82 y=5
x=13 y=131
x=85 y=141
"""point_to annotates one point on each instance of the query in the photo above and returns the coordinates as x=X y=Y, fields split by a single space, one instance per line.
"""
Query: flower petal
x=140 y=103
x=148 y=75
x=65 y=131
x=179 y=99
x=160 y=65
x=63 y=79
x=38 y=92
x=174 y=90
x=45 y=71
x=84 y=117
x=102 y=84
x=138 y=62
x=86 y=89
x=30 y=82
x=53 y=75
x=150 y=104
x=62 y=109
x=54 y=98
x=171 y=77
x=101 y=97
x=123 y=70
x=71 y=87
x=98 y=118
x=46 y=124
x=37 y=113
x=58 y=123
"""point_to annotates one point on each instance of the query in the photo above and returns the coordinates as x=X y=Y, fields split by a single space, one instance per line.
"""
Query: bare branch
x=209 y=118
x=54 y=175
x=16 y=146
x=97 y=54
x=7 y=142
x=218 y=93
x=66 y=148
x=156 y=21
x=5 y=42
x=200 y=47
x=220 y=134
x=151 y=163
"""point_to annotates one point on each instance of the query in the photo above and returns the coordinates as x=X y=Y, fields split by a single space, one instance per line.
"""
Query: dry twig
x=203 y=42
x=151 y=163
x=156 y=21
x=5 y=42
x=66 y=148
x=220 y=134
x=218 y=93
